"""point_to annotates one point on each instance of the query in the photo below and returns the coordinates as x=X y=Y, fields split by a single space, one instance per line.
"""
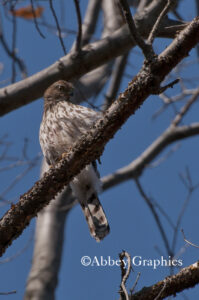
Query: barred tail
x=85 y=187
x=96 y=218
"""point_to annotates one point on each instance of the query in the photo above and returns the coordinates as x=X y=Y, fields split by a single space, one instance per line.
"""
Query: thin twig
x=169 y=85
x=135 y=283
x=15 y=165
x=158 y=250
x=162 y=211
x=125 y=273
x=157 y=23
x=157 y=219
x=14 y=35
x=25 y=149
x=30 y=166
x=183 y=179
x=181 y=251
x=116 y=78
x=146 y=48
x=188 y=242
x=35 y=20
x=160 y=160
x=10 y=53
x=189 y=179
x=161 y=291
x=170 y=100
x=7 y=293
x=185 y=109
x=177 y=15
x=79 y=35
x=58 y=27
x=90 y=20
x=21 y=251
x=191 y=189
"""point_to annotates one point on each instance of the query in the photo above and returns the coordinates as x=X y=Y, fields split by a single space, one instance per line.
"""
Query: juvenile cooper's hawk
x=63 y=124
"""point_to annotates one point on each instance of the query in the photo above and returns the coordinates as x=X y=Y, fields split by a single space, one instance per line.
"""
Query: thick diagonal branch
x=91 y=145
x=188 y=277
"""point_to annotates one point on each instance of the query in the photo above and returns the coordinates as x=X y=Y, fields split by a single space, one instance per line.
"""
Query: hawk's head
x=59 y=91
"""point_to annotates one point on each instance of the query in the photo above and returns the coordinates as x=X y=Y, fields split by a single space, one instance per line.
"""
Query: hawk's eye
x=61 y=88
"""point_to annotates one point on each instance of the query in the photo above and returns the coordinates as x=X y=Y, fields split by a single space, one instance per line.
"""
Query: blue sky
x=132 y=226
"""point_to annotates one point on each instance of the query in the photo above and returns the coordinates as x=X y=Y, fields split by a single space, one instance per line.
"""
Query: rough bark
x=187 y=278
x=72 y=67
x=91 y=146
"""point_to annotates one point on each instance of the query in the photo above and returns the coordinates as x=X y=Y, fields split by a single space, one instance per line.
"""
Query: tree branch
x=90 y=20
x=188 y=277
x=146 y=48
x=43 y=277
x=35 y=20
x=125 y=272
x=156 y=217
x=58 y=27
x=12 y=54
x=116 y=78
x=79 y=34
x=136 y=167
x=154 y=30
x=185 y=108
x=67 y=67
x=91 y=145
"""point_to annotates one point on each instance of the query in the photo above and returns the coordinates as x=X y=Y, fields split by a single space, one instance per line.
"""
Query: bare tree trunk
x=49 y=240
